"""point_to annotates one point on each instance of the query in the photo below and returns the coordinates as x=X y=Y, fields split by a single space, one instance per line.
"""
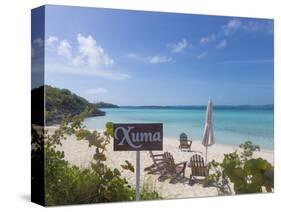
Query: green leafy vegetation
x=61 y=102
x=247 y=174
x=248 y=149
x=148 y=191
x=69 y=184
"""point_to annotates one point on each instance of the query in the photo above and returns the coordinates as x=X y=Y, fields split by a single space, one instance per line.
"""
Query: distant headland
x=62 y=102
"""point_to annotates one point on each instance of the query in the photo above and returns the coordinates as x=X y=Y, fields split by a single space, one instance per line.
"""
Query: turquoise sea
x=232 y=125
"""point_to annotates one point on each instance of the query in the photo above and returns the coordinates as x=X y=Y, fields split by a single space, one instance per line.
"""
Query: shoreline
x=175 y=139
x=80 y=154
x=222 y=145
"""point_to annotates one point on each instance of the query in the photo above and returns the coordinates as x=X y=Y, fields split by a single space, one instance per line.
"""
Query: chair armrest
x=183 y=167
x=157 y=155
x=182 y=163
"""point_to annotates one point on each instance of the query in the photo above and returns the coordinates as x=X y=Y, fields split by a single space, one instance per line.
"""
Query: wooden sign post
x=138 y=137
x=137 y=175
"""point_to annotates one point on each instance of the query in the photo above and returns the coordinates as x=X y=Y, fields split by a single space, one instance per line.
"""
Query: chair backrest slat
x=198 y=168
x=157 y=160
x=170 y=162
x=197 y=161
x=185 y=143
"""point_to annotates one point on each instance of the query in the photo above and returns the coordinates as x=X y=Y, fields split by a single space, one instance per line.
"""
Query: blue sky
x=144 y=58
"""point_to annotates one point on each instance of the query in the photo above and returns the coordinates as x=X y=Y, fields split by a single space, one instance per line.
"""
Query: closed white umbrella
x=208 y=135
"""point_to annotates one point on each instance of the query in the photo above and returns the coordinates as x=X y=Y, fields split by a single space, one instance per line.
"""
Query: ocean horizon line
x=266 y=106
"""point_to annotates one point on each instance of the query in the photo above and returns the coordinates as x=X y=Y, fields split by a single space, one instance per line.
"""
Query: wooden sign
x=137 y=137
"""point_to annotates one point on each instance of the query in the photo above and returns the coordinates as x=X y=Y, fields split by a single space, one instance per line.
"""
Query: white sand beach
x=78 y=153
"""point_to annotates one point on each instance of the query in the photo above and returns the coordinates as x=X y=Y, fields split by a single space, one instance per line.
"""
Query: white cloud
x=37 y=49
x=202 y=55
x=134 y=56
x=258 y=61
x=265 y=26
x=96 y=91
x=39 y=42
x=258 y=26
x=89 y=52
x=111 y=75
x=231 y=26
x=78 y=60
x=93 y=53
x=179 y=47
x=84 y=58
x=222 y=44
x=158 y=59
x=85 y=70
x=64 y=49
x=208 y=39
x=51 y=40
x=233 y=23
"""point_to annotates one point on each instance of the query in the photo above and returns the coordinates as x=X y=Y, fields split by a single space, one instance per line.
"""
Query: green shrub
x=248 y=175
x=148 y=191
x=68 y=184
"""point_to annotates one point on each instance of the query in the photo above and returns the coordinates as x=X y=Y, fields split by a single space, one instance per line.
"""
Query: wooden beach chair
x=158 y=165
x=185 y=144
x=172 y=169
x=199 y=170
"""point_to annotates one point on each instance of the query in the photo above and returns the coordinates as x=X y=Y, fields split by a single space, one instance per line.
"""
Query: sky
x=148 y=58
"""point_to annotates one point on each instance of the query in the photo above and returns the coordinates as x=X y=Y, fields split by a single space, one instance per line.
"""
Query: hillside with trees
x=62 y=102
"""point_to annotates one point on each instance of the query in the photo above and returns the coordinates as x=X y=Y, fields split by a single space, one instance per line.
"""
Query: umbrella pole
x=206 y=155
